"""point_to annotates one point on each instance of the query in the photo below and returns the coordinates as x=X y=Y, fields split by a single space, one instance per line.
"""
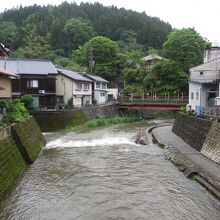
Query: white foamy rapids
x=109 y=141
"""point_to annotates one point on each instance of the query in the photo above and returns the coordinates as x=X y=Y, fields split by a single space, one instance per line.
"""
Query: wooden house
x=36 y=78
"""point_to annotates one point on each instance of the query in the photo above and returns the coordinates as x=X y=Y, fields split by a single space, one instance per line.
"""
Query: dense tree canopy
x=75 y=20
x=78 y=32
x=186 y=47
x=100 y=52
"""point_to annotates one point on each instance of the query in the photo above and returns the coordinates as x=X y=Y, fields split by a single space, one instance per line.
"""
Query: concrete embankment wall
x=20 y=144
x=59 y=120
x=201 y=134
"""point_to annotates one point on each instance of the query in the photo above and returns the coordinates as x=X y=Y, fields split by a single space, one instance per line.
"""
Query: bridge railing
x=153 y=99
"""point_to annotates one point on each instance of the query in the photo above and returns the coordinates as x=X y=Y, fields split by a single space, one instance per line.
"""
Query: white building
x=73 y=89
x=204 y=84
x=99 y=88
x=112 y=94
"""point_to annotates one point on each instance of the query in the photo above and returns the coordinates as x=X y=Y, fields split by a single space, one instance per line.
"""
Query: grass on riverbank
x=95 y=123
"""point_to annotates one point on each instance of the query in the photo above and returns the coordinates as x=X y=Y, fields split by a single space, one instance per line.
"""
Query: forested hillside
x=45 y=32
x=107 y=41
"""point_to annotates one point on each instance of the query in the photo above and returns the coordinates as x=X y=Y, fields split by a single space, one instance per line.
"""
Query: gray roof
x=153 y=57
x=73 y=75
x=95 y=78
x=212 y=65
x=28 y=66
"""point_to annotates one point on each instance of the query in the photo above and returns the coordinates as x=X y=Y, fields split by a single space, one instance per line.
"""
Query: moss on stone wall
x=28 y=138
x=12 y=165
x=59 y=120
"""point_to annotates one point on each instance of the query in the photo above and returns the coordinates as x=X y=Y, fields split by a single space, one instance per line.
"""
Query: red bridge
x=154 y=103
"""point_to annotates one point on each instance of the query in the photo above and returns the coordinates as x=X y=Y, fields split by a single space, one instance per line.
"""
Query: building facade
x=99 y=88
x=5 y=84
x=36 y=78
x=73 y=89
x=204 y=81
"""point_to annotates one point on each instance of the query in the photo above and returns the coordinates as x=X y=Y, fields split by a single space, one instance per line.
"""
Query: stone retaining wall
x=211 y=147
x=59 y=120
x=192 y=130
x=17 y=150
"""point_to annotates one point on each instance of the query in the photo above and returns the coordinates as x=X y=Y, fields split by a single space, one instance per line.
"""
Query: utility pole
x=91 y=61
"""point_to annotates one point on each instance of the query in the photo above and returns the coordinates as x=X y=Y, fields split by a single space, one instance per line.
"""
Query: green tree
x=78 y=31
x=186 y=47
x=105 y=54
x=9 y=34
x=166 y=77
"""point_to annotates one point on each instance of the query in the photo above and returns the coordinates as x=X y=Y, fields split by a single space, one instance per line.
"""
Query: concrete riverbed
x=103 y=174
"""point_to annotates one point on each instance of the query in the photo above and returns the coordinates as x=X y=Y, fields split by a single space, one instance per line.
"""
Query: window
x=78 y=86
x=32 y=83
x=192 y=95
x=104 y=86
x=86 y=86
x=197 y=96
x=97 y=85
x=102 y=94
x=201 y=73
x=60 y=99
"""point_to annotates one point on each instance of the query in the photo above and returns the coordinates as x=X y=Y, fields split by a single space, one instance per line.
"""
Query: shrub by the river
x=15 y=112
x=92 y=124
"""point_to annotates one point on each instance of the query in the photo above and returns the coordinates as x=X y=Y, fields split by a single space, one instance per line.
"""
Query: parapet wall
x=18 y=148
x=192 y=130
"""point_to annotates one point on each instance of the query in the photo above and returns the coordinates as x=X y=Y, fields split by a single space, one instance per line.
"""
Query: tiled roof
x=73 y=75
x=208 y=66
x=95 y=78
x=28 y=66
x=7 y=73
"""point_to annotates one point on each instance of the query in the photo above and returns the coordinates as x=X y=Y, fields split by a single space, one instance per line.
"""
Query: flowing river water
x=103 y=174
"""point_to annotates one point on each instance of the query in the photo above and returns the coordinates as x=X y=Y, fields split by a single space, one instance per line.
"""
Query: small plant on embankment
x=95 y=123
x=15 y=112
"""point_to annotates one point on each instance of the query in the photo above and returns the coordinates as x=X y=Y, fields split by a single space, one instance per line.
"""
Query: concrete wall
x=194 y=95
x=192 y=130
x=64 y=87
x=211 y=147
x=106 y=111
x=17 y=150
x=59 y=120
x=6 y=84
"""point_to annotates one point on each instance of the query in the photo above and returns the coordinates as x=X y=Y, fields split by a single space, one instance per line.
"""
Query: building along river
x=103 y=174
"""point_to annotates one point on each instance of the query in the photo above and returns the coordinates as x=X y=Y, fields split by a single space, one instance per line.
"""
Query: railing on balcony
x=212 y=112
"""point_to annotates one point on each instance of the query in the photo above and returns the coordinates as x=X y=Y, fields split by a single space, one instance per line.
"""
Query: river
x=103 y=174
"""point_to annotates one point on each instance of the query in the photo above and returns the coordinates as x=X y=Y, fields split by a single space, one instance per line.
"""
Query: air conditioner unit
x=41 y=91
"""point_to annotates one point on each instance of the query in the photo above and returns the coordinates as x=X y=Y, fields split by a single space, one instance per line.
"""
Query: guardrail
x=213 y=112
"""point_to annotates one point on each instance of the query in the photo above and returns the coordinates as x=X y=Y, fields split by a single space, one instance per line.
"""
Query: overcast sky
x=203 y=15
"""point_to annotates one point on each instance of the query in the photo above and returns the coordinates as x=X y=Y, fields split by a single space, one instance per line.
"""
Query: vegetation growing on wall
x=12 y=165
x=15 y=112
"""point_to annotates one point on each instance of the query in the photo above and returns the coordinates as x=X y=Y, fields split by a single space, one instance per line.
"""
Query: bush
x=3 y=105
x=92 y=124
x=15 y=112
x=27 y=100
